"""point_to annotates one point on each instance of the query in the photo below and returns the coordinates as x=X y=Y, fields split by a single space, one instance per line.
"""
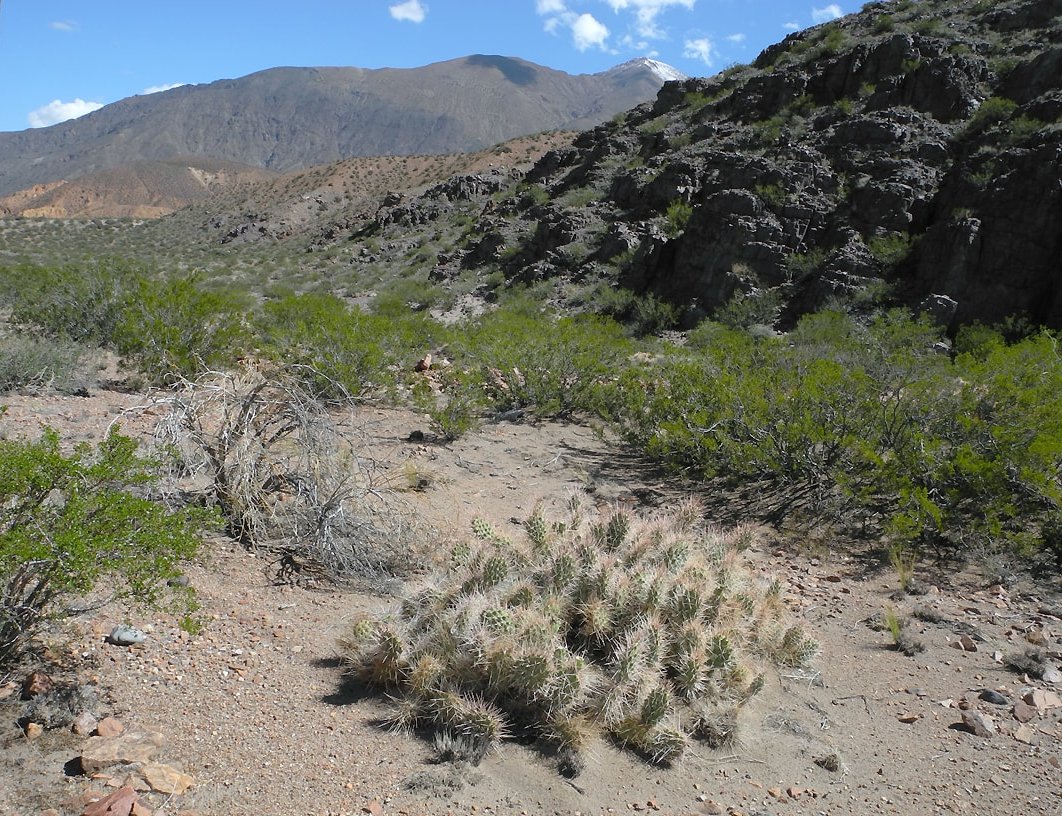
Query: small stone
x=711 y=808
x=1036 y=637
x=103 y=752
x=794 y=792
x=1023 y=712
x=965 y=643
x=1053 y=676
x=7 y=689
x=109 y=727
x=84 y=724
x=33 y=730
x=125 y=635
x=979 y=724
x=35 y=684
x=993 y=697
x=775 y=792
x=374 y=808
x=119 y=803
x=909 y=718
x=1026 y=734
x=1043 y=700
x=165 y=779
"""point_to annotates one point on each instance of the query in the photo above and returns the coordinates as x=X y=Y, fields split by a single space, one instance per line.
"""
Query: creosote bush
x=647 y=630
x=72 y=521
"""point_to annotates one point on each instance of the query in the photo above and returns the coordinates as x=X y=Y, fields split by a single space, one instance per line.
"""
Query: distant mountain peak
x=665 y=72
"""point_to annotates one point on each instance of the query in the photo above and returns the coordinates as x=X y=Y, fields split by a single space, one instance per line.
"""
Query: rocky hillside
x=911 y=151
x=287 y=118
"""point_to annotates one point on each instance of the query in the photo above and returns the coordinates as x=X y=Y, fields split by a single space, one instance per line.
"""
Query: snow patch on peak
x=666 y=72
x=662 y=70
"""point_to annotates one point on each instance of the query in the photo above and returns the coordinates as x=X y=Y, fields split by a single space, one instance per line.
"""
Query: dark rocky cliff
x=910 y=151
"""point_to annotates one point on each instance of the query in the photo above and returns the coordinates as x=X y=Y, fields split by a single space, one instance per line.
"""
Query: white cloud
x=587 y=32
x=58 y=111
x=700 y=49
x=160 y=88
x=791 y=26
x=63 y=25
x=646 y=13
x=736 y=38
x=412 y=11
x=830 y=12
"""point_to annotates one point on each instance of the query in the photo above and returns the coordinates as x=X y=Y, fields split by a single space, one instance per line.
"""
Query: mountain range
x=289 y=118
x=910 y=154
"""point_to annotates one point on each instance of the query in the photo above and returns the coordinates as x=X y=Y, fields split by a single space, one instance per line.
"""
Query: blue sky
x=62 y=58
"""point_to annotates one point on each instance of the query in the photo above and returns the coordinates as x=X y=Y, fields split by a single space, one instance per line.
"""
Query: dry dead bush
x=288 y=475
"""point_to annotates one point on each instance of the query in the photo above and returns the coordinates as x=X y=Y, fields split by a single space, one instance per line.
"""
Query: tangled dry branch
x=288 y=474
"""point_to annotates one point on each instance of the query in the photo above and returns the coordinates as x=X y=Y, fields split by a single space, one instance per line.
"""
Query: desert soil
x=256 y=710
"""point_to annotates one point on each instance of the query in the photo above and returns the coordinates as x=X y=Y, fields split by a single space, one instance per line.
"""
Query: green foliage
x=532 y=362
x=801 y=264
x=844 y=106
x=767 y=131
x=34 y=363
x=458 y=411
x=80 y=303
x=69 y=521
x=345 y=352
x=678 y=215
x=890 y=249
x=639 y=629
x=929 y=26
x=178 y=328
x=533 y=194
x=951 y=454
x=883 y=23
x=773 y=194
x=993 y=110
x=643 y=314
x=167 y=327
x=747 y=309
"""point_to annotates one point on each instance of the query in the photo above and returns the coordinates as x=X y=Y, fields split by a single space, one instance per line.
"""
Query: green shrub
x=678 y=215
x=345 y=352
x=643 y=314
x=178 y=328
x=649 y=631
x=31 y=362
x=81 y=303
x=69 y=521
x=890 y=249
x=537 y=363
x=773 y=194
x=993 y=110
x=952 y=455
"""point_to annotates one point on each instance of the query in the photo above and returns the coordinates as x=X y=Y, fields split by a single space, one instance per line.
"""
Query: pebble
x=84 y=724
x=125 y=635
x=109 y=727
x=993 y=697
x=980 y=724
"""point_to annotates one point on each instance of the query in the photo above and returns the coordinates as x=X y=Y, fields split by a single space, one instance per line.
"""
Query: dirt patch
x=255 y=708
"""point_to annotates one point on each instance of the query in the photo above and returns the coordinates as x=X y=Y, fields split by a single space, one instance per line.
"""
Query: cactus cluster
x=647 y=630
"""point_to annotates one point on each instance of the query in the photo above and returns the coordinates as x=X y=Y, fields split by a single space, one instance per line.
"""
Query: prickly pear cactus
x=649 y=630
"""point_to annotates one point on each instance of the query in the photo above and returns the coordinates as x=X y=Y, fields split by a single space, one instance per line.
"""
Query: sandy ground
x=255 y=709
